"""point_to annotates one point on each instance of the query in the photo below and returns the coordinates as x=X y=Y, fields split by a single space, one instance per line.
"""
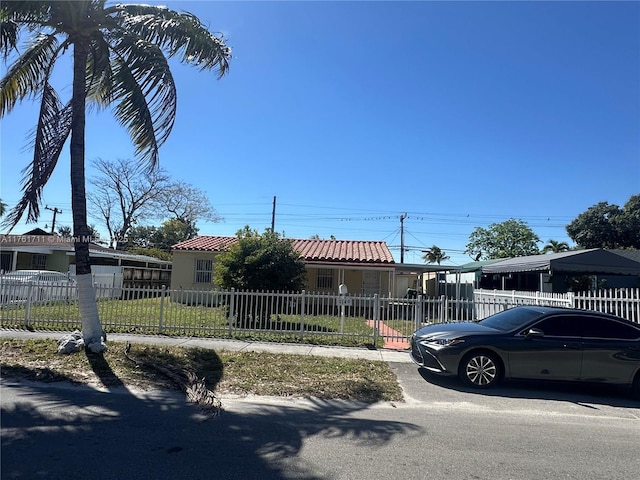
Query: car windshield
x=510 y=319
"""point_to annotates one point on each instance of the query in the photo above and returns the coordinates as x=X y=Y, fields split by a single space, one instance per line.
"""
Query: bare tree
x=188 y=204
x=123 y=193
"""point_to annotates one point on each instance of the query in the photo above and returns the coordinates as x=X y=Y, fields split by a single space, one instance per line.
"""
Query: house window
x=38 y=262
x=324 y=280
x=204 y=271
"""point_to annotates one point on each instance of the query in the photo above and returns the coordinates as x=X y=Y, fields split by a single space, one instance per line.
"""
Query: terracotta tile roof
x=205 y=243
x=359 y=251
x=344 y=251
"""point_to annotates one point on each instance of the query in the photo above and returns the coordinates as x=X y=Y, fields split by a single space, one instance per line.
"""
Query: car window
x=510 y=319
x=560 y=326
x=596 y=327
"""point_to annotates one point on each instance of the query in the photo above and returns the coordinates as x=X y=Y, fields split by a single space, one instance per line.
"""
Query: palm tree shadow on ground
x=197 y=385
x=158 y=436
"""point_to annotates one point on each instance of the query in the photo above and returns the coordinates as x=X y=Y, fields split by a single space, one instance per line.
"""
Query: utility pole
x=402 y=217
x=273 y=215
x=53 y=222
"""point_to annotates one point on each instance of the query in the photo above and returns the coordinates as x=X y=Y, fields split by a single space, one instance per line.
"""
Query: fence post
x=162 y=295
x=232 y=303
x=27 y=310
x=443 y=308
x=376 y=318
x=302 y=307
x=419 y=315
x=572 y=298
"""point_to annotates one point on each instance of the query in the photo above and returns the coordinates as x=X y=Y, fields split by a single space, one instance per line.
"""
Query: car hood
x=454 y=330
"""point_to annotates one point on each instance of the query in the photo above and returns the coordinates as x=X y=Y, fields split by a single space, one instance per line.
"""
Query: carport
x=420 y=272
x=596 y=262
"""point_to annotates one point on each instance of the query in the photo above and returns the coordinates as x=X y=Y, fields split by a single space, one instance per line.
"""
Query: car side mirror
x=534 y=333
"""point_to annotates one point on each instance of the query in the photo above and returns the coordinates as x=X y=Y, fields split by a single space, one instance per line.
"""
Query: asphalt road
x=442 y=431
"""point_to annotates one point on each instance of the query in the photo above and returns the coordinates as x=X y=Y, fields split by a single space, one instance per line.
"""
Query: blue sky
x=459 y=114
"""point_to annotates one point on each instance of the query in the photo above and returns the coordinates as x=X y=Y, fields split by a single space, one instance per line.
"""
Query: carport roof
x=594 y=261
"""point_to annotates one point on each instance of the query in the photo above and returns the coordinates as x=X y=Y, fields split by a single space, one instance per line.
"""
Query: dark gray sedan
x=541 y=343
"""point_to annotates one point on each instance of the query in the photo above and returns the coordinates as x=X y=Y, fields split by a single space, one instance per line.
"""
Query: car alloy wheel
x=480 y=370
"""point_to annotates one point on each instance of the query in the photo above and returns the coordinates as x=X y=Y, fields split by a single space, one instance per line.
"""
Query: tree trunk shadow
x=103 y=370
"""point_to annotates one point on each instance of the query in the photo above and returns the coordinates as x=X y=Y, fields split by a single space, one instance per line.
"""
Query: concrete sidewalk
x=385 y=355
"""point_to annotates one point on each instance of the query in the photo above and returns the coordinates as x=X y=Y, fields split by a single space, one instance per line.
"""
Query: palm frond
x=179 y=33
x=99 y=73
x=8 y=37
x=33 y=13
x=54 y=127
x=27 y=74
x=145 y=89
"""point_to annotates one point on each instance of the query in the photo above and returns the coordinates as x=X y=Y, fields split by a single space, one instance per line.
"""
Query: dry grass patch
x=246 y=373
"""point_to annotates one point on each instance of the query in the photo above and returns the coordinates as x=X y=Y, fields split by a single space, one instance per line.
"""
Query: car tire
x=480 y=369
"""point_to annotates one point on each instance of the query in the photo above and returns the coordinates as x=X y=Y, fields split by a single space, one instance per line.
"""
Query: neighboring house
x=365 y=267
x=39 y=250
x=550 y=272
x=34 y=250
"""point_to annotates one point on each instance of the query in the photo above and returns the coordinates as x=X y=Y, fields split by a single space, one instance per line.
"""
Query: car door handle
x=572 y=345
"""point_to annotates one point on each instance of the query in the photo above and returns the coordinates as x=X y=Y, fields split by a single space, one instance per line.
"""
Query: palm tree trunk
x=91 y=327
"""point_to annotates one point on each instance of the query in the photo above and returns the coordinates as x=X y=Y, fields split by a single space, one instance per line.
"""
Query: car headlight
x=443 y=342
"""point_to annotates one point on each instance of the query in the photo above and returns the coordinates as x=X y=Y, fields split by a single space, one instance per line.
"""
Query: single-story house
x=365 y=267
x=551 y=272
x=39 y=250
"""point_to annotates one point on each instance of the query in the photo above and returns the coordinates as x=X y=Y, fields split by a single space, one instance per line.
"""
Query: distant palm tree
x=118 y=58
x=3 y=208
x=434 y=255
x=554 y=246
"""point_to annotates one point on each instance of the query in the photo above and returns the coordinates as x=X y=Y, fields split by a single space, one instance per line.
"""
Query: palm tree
x=3 y=208
x=120 y=58
x=554 y=246
x=434 y=255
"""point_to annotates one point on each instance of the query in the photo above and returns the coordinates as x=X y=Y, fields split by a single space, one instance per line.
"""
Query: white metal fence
x=283 y=316
x=488 y=302
x=623 y=302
